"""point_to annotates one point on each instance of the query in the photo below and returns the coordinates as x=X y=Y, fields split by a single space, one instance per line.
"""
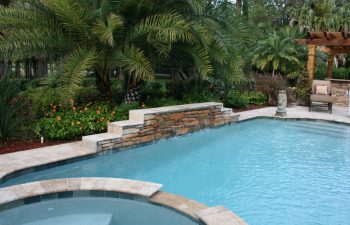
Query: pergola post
x=311 y=61
x=330 y=65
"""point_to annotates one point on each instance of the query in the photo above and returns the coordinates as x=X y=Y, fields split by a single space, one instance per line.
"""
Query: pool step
x=83 y=219
x=125 y=127
x=91 y=141
x=322 y=129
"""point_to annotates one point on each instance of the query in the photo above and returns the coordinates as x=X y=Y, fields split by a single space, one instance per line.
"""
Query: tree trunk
x=2 y=71
x=7 y=67
x=273 y=73
x=28 y=69
x=18 y=69
x=103 y=83
x=239 y=6
x=133 y=91
x=41 y=68
x=245 y=8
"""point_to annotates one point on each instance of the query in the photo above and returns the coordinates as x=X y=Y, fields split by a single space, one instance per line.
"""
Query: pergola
x=330 y=42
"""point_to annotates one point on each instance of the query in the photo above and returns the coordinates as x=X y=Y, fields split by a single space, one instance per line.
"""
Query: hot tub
x=92 y=211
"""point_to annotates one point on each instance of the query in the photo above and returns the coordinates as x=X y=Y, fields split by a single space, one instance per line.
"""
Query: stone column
x=311 y=61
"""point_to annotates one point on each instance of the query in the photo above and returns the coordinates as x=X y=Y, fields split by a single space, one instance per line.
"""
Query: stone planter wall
x=148 y=125
x=339 y=90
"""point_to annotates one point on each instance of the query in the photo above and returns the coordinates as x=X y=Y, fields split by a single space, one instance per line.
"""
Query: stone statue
x=282 y=104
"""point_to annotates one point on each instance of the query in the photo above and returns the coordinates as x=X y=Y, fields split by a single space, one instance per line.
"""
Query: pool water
x=92 y=211
x=267 y=171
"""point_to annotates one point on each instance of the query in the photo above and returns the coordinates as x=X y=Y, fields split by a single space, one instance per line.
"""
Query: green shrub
x=70 y=123
x=340 y=73
x=256 y=98
x=236 y=99
x=12 y=115
x=88 y=94
x=151 y=103
x=337 y=73
x=239 y=99
x=199 y=96
x=320 y=72
x=303 y=88
x=153 y=91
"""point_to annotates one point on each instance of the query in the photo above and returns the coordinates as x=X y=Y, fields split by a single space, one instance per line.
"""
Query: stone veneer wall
x=339 y=90
x=148 y=125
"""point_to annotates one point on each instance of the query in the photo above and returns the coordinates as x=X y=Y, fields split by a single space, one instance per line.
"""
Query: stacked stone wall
x=162 y=124
x=339 y=92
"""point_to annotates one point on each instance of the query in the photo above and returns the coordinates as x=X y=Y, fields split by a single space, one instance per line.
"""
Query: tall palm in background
x=278 y=52
x=322 y=15
x=132 y=36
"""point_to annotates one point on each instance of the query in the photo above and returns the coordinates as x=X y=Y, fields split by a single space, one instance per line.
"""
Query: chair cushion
x=321 y=90
x=321 y=83
x=321 y=98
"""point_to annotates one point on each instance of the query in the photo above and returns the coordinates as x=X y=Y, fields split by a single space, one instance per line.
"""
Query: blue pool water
x=267 y=171
x=92 y=211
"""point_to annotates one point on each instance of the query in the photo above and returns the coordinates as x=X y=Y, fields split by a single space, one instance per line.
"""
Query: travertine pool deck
x=340 y=114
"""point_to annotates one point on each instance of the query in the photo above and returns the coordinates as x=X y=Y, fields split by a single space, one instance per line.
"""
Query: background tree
x=278 y=53
x=322 y=15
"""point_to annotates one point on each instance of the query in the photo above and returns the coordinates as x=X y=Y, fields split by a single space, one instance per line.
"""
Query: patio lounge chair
x=321 y=95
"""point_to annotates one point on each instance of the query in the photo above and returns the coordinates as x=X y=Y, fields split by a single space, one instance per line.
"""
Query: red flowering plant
x=62 y=123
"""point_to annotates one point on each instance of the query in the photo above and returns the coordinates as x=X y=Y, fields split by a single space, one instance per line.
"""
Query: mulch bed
x=250 y=107
x=21 y=145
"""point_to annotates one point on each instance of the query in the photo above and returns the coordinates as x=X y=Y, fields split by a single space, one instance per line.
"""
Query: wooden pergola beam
x=335 y=51
x=344 y=35
x=325 y=42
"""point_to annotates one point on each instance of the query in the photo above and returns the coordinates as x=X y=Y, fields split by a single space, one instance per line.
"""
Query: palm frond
x=71 y=15
x=105 y=31
x=23 y=44
x=202 y=61
x=134 y=62
x=73 y=70
x=196 y=6
x=168 y=27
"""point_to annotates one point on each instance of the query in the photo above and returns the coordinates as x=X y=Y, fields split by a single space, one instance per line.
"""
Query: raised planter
x=147 y=125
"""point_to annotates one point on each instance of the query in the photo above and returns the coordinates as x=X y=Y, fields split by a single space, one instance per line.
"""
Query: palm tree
x=322 y=15
x=12 y=117
x=104 y=35
x=277 y=52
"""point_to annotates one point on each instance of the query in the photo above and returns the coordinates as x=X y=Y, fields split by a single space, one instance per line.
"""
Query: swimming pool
x=267 y=171
x=92 y=211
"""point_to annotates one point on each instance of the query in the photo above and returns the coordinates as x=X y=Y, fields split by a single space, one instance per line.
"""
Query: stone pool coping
x=28 y=193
